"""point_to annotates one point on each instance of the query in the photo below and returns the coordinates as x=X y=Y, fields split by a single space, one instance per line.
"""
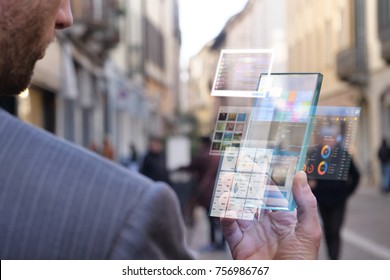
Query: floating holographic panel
x=261 y=169
x=333 y=135
x=238 y=72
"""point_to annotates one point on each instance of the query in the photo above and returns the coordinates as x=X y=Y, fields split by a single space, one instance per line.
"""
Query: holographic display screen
x=239 y=71
x=230 y=128
x=281 y=118
x=333 y=134
x=259 y=174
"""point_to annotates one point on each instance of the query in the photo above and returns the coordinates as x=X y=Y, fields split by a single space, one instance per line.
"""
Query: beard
x=21 y=45
x=13 y=80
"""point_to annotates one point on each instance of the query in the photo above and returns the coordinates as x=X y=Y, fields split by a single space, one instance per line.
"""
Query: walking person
x=332 y=197
x=205 y=169
x=154 y=163
x=384 y=157
x=133 y=158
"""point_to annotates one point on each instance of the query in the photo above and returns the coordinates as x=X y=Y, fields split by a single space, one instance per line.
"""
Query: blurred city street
x=366 y=233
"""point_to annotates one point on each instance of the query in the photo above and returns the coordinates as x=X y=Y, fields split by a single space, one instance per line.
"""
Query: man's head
x=155 y=144
x=26 y=29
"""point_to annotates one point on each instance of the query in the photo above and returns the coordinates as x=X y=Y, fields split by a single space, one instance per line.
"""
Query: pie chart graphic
x=310 y=168
x=322 y=168
x=325 y=151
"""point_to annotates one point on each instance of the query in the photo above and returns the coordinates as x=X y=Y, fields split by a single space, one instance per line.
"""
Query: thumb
x=307 y=214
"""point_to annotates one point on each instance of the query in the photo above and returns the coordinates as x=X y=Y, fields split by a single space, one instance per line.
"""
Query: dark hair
x=155 y=138
x=205 y=140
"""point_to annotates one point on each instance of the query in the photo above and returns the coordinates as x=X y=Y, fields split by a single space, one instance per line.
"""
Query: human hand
x=279 y=234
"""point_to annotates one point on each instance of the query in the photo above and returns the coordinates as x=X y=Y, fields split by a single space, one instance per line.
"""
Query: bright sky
x=202 y=20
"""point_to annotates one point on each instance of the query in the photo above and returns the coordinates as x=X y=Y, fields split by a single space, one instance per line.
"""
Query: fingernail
x=302 y=179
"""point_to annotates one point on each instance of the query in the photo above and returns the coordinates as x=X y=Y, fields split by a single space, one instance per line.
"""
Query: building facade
x=376 y=97
x=148 y=55
x=348 y=42
x=325 y=36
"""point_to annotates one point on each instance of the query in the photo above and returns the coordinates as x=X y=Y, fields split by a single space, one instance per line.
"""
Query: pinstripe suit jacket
x=59 y=201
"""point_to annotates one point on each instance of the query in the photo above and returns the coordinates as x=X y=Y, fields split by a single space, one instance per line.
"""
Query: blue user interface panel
x=333 y=135
x=259 y=174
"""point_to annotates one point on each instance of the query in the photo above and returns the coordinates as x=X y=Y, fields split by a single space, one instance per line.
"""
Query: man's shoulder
x=58 y=160
x=64 y=188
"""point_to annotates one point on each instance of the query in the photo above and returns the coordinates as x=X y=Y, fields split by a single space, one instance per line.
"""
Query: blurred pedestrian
x=154 y=163
x=108 y=151
x=94 y=148
x=133 y=158
x=205 y=170
x=332 y=197
x=384 y=157
x=61 y=201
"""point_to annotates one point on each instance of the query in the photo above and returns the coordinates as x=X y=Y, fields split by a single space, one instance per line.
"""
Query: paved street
x=366 y=233
x=198 y=238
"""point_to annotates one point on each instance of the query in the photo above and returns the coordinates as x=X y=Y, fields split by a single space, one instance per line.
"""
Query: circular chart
x=325 y=151
x=322 y=168
x=310 y=169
